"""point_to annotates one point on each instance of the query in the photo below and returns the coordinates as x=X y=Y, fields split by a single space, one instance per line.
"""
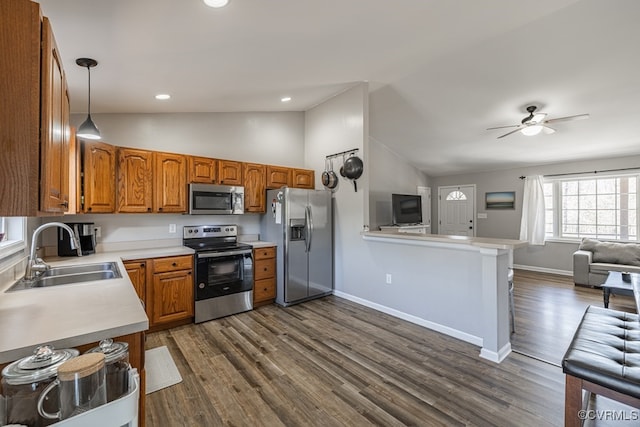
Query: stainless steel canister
x=24 y=380
x=117 y=367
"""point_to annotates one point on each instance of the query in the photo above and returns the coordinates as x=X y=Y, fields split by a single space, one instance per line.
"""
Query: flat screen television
x=406 y=209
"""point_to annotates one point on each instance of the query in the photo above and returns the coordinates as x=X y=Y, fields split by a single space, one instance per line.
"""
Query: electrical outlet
x=97 y=231
x=172 y=228
x=388 y=279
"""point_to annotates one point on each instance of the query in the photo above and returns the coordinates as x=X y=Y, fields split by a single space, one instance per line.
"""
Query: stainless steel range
x=224 y=271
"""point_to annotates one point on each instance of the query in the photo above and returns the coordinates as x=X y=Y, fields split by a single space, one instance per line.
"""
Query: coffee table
x=617 y=286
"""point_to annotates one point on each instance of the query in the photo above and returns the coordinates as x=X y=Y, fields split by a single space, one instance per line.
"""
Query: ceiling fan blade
x=568 y=118
x=509 y=133
x=504 y=127
x=548 y=130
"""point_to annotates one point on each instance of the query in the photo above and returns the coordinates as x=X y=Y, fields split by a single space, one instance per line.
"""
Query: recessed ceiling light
x=216 y=3
x=163 y=96
x=285 y=99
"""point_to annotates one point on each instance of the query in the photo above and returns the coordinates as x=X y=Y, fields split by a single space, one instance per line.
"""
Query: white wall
x=553 y=257
x=334 y=126
x=392 y=174
x=269 y=138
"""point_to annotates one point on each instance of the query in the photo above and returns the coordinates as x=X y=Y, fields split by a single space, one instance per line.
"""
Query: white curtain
x=532 y=224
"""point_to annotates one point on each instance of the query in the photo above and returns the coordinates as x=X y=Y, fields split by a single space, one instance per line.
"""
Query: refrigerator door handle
x=308 y=226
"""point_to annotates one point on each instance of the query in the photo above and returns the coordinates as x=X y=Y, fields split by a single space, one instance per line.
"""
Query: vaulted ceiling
x=440 y=71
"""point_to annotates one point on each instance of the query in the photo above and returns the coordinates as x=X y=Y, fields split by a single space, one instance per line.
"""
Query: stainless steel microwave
x=210 y=199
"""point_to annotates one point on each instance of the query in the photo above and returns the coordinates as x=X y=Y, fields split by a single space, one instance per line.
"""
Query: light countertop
x=483 y=242
x=74 y=314
x=259 y=243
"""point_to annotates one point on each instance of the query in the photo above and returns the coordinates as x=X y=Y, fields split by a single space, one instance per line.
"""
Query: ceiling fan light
x=537 y=118
x=88 y=129
x=216 y=3
x=531 y=130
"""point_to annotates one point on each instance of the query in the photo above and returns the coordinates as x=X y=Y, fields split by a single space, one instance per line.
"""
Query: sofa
x=594 y=259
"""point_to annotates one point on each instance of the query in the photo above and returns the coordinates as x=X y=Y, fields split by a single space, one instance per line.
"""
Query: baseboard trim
x=496 y=357
x=543 y=270
x=463 y=336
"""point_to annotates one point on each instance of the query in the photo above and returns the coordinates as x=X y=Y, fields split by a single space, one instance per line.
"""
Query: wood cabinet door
x=229 y=172
x=278 y=176
x=254 y=187
x=99 y=169
x=203 y=170
x=172 y=296
x=170 y=182
x=137 y=271
x=135 y=180
x=303 y=178
x=54 y=127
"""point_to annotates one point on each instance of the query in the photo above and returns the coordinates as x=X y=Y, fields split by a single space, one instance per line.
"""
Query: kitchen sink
x=66 y=270
x=66 y=275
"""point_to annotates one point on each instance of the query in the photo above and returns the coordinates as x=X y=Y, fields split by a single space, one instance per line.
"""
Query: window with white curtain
x=605 y=207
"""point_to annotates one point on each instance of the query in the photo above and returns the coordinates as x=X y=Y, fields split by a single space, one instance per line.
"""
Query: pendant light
x=88 y=129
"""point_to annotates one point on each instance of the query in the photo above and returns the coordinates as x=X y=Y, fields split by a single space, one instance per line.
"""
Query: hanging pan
x=332 y=179
x=325 y=174
x=353 y=168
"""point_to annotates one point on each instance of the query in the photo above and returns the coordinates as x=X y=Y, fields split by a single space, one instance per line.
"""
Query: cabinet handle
x=65 y=204
x=189 y=273
x=265 y=269
x=174 y=264
x=148 y=209
x=159 y=209
x=89 y=209
x=142 y=265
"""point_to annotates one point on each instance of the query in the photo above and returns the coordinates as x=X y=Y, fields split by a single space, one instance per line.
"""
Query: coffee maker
x=86 y=235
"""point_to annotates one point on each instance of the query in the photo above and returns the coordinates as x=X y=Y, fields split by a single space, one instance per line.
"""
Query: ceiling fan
x=535 y=123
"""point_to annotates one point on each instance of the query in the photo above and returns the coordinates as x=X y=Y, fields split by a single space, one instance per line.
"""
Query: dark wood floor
x=548 y=310
x=331 y=362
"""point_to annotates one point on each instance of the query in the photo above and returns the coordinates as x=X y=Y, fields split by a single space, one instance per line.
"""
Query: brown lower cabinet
x=165 y=285
x=264 y=275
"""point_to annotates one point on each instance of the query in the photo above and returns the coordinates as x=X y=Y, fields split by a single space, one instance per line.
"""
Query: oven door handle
x=223 y=254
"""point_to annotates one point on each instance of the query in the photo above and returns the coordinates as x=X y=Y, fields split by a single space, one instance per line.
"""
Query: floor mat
x=161 y=369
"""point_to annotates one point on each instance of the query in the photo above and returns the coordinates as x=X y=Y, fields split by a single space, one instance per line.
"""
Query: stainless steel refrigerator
x=300 y=223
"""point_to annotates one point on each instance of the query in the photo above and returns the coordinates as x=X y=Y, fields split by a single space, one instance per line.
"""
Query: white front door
x=456 y=210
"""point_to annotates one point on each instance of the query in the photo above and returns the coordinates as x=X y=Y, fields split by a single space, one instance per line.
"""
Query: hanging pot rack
x=342 y=153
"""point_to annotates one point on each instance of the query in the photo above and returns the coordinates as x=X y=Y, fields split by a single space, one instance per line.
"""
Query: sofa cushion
x=612 y=252
x=603 y=268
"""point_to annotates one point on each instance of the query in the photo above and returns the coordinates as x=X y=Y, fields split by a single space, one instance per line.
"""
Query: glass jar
x=117 y=367
x=24 y=380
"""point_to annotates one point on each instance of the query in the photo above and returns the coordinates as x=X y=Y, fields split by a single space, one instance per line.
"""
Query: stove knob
x=201 y=285
x=190 y=231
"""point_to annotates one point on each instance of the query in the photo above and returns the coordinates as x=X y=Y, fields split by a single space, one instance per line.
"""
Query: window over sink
x=12 y=236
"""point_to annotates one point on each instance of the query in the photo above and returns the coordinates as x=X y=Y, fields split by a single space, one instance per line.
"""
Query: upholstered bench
x=603 y=358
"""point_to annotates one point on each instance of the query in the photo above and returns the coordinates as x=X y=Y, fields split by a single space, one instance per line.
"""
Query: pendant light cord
x=89 y=92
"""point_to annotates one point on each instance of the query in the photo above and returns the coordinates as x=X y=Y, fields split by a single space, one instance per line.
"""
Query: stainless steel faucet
x=36 y=265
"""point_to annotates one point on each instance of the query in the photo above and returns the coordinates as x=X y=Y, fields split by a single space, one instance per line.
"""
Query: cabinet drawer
x=264 y=269
x=263 y=253
x=264 y=289
x=175 y=263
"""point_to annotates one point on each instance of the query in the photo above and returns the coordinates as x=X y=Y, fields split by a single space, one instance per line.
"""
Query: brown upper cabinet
x=203 y=170
x=303 y=178
x=254 y=187
x=99 y=177
x=278 y=176
x=230 y=172
x=34 y=125
x=170 y=183
x=135 y=180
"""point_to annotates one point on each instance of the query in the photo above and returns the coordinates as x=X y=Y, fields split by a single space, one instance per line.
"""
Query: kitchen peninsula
x=456 y=285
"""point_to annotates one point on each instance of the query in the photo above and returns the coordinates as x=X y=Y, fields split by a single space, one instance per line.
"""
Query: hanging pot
x=342 y=168
x=333 y=178
x=325 y=174
x=353 y=168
